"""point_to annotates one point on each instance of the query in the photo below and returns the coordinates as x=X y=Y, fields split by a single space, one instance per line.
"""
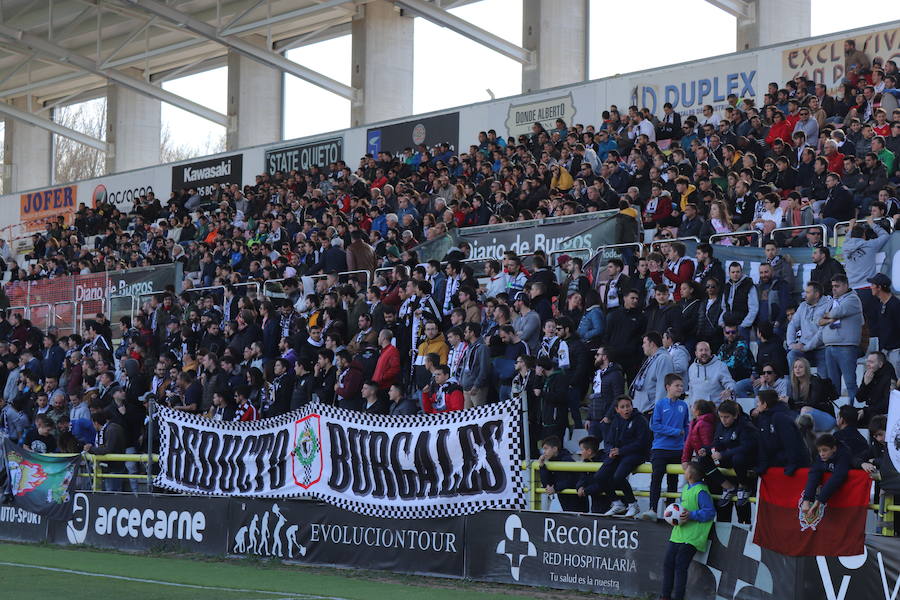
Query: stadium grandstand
x=633 y=336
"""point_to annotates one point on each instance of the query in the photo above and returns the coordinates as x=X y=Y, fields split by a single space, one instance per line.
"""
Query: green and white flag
x=38 y=483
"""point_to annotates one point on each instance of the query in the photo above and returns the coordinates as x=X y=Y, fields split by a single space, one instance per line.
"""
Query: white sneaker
x=649 y=515
x=632 y=511
x=616 y=509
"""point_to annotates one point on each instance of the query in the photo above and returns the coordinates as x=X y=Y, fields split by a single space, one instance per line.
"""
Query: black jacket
x=738 y=440
x=838 y=465
x=780 y=442
x=612 y=385
x=876 y=394
x=631 y=437
x=823 y=273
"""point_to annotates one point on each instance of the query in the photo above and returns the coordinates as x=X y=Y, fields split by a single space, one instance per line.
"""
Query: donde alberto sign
x=399 y=467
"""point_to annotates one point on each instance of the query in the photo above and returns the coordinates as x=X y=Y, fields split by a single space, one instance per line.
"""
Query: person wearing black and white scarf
x=649 y=383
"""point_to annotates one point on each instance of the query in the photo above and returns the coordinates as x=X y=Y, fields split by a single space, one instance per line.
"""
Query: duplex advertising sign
x=301 y=157
x=390 y=466
x=201 y=175
x=692 y=87
x=36 y=209
x=428 y=131
x=522 y=116
x=824 y=62
x=314 y=533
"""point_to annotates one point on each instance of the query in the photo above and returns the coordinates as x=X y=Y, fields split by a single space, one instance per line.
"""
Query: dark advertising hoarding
x=300 y=157
x=429 y=131
x=201 y=175
x=321 y=534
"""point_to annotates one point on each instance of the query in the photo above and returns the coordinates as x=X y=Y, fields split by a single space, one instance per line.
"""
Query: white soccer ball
x=672 y=515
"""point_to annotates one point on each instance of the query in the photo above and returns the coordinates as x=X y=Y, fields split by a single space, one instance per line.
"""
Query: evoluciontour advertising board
x=315 y=533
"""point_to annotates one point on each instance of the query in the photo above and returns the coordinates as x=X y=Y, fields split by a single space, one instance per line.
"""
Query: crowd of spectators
x=650 y=357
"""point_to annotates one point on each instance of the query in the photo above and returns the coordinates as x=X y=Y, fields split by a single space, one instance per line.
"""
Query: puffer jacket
x=699 y=436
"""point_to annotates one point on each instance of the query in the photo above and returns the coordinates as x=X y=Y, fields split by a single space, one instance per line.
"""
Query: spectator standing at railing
x=110 y=439
x=860 y=255
x=780 y=443
x=670 y=425
x=887 y=325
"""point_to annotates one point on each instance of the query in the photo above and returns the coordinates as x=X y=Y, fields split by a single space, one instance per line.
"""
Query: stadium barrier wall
x=556 y=550
x=687 y=85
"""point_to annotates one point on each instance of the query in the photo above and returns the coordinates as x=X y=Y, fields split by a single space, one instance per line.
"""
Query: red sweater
x=685 y=273
x=783 y=131
x=388 y=367
x=835 y=163
x=700 y=436
x=453 y=400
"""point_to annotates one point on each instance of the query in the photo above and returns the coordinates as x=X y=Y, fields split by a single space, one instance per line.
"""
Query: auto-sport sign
x=301 y=157
x=402 y=467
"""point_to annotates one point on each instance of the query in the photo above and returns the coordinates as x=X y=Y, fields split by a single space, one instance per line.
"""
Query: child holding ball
x=697 y=514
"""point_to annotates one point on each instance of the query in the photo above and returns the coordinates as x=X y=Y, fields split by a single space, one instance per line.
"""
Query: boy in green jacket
x=687 y=539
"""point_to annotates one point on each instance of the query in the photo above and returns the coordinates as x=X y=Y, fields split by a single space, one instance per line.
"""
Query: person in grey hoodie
x=649 y=384
x=859 y=262
x=804 y=326
x=476 y=368
x=708 y=377
x=840 y=331
x=528 y=323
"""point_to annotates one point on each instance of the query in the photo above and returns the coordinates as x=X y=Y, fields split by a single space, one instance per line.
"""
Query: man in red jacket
x=835 y=159
x=388 y=367
x=678 y=270
x=444 y=395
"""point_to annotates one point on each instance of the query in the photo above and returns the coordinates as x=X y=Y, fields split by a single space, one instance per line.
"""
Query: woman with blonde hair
x=810 y=395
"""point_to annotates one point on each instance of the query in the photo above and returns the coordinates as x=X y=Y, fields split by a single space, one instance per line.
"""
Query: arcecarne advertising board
x=303 y=156
x=404 y=467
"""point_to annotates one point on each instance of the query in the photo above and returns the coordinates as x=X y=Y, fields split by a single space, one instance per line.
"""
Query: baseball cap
x=881 y=280
x=521 y=296
x=563 y=259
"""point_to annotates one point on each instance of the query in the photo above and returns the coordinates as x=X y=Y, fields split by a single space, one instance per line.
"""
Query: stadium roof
x=65 y=51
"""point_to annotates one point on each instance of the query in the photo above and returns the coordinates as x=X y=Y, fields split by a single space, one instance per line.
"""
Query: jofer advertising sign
x=402 y=467
x=201 y=175
x=36 y=209
x=303 y=156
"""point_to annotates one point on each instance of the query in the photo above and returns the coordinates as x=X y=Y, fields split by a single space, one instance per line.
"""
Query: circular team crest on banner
x=418 y=134
x=307 y=452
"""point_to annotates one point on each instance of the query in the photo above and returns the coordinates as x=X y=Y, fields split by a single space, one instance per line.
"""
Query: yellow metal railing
x=885 y=508
x=96 y=473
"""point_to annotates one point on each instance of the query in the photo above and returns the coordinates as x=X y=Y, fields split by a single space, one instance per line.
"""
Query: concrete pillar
x=557 y=32
x=27 y=152
x=774 y=22
x=133 y=123
x=382 y=57
x=255 y=101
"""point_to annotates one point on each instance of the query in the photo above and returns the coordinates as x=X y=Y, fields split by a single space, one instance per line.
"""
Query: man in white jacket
x=708 y=377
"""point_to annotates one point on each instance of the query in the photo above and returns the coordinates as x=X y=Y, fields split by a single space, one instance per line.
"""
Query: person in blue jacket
x=780 y=442
x=627 y=443
x=670 y=423
x=833 y=458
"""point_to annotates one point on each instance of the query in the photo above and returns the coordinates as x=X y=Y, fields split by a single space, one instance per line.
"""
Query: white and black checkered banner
x=403 y=467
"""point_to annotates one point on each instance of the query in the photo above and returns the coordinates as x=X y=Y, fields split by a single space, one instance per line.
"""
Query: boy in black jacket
x=733 y=447
x=833 y=458
x=628 y=445
x=780 y=443
x=555 y=482
x=590 y=453
x=847 y=433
